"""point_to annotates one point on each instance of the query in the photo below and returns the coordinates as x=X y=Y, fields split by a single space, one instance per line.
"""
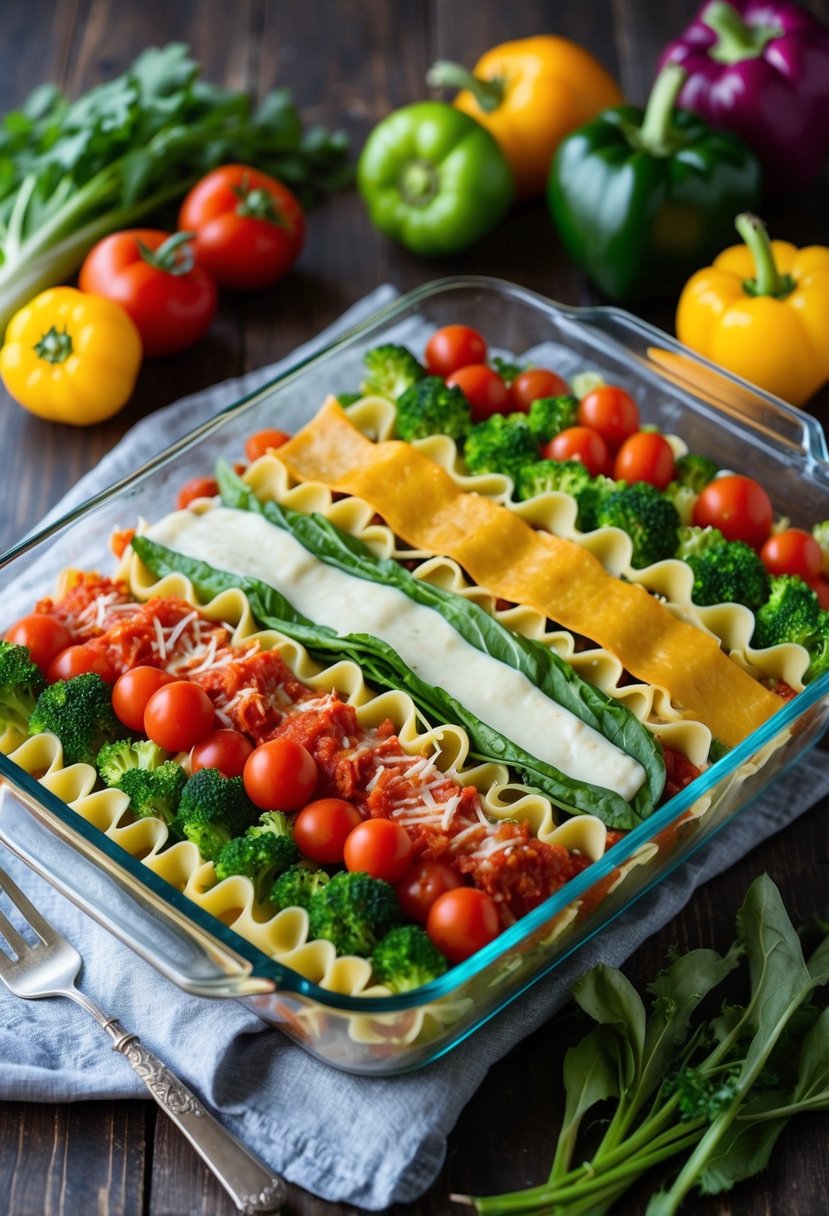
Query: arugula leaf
x=590 y=1075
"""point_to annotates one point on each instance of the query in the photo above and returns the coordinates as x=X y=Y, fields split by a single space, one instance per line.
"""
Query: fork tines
x=41 y=927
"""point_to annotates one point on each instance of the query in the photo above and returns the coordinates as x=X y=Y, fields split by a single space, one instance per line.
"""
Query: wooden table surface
x=348 y=64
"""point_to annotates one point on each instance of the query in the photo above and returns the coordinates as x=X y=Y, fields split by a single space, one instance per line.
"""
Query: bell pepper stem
x=656 y=132
x=736 y=39
x=767 y=281
x=446 y=74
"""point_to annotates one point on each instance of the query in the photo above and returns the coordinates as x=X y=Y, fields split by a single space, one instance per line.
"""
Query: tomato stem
x=257 y=204
x=446 y=74
x=174 y=256
x=55 y=346
x=767 y=281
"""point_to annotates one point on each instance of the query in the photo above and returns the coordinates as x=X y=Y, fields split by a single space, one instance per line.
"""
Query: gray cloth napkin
x=370 y=1142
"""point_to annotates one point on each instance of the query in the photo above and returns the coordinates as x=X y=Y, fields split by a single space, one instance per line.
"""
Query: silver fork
x=50 y=968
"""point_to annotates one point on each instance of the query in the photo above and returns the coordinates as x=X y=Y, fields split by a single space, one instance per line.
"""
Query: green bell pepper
x=433 y=178
x=643 y=199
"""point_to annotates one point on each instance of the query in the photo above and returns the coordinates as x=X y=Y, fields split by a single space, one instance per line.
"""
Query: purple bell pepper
x=760 y=68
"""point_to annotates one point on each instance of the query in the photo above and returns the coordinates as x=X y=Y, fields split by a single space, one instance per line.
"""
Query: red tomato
x=738 y=506
x=249 y=228
x=646 y=456
x=43 y=635
x=280 y=775
x=793 y=552
x=483 y=388
x=226 y=750
x=421 y=885
x=610 y=411
x=579 y=443
x=821 y=589
x=178 y=715
x=380 y=848
x=453 y=347
x=537 y=382
x=78 y=661
x=262 y=442
x=321 y=829
x=133 y=690
x=197 y=487
x=153 y=277
x=461 y=922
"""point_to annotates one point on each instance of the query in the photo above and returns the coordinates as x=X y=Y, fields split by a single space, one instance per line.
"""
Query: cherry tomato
x=261 y=442
x=379 y=847
x=537 y=382
x=462 y=921
x=280 y=775
x=645 y=456
x=738 y=506
x=821 y=589
x=197 y=487
x=153 y=276
x=79 y=661
x=793 y=552
x=610 y=411
x=579 y=443
x=421 y=885
x=453 y=347
x=483 y=388
x=178 y=715
x=321 y=829
x=226 y=750
x=249 y=228
x=43 y=635
x=133 y=690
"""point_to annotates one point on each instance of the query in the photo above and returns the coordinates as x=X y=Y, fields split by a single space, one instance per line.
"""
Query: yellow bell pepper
x=762 y=312
x=71 y=357
x=529 y=94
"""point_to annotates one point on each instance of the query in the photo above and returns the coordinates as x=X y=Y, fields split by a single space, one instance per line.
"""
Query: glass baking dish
x=713 y=412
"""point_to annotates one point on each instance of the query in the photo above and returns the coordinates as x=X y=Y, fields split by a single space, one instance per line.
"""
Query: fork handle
x=250 y=1184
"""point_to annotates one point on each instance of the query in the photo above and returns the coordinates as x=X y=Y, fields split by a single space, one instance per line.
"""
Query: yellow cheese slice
x=426 y=508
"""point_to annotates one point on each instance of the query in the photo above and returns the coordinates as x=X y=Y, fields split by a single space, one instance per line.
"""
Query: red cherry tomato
x=153 y=276
x=821 y=589
x=646 y=456
x=78 y=661
x=249 y=228
x=43 y=635
x=197 y=487
x=579 y=443
x=133 y=690
x=178 y=715
x=483 y=388
x=379 y=847
x=537 y=382
x=422 y=884
x=280 y=775
x=610 y=411
x=226 y=750
x=262 y=442
x=453 y=347
x=738 y=506
x=461 y=922
x=793 y=552
x=321 y=829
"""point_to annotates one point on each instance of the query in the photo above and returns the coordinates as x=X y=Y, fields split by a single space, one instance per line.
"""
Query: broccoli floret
x=154 y=791
x=115 y=759
x=354 y=911
x=406 y=959
x=821 y=534
x=502 y=443
x=543 y=476
x=264 y=852
x=549 y=415
x=590 y=499
x=818 y=647
x=20 y=686
x=213 y=809
x=649 y=518
x=508 y=369
x=391 y=370
x=694 y=540
x=790 y=614
x=728 y=572
x=79 y=711
x=346 y=399
x=297 y=887
x=430 y=407
x=684 y=499
x=695 y=472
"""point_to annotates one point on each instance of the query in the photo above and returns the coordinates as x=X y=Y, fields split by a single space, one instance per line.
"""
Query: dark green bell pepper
x=433 y=178
x=642 y=199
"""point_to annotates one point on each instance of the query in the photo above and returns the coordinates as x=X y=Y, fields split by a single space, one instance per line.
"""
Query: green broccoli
x=821 y=534
x=728 y=572
x=115 y=759
x=790 y=614
x=818 y=647
x=155 y=791
x=391 y=370
x=694 y=540
x=650 y=519
x=213 y=809
x=21 y=683
x=405 y=959
x=297 y=886
x=354 y=911
x=79 y=711
x=264 y=852
x=346 y=399
x=567 y=477
x=507 y=369
x=502 y=443
x=548 y=416
x=430 y=407
x=684 y=499
x=590 y=499
x=695 y=472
